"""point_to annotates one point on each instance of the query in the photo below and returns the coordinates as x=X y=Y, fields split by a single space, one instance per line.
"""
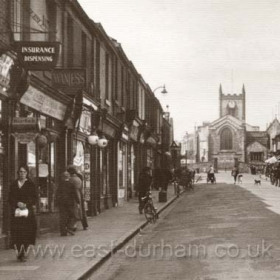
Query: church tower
x=233 y=104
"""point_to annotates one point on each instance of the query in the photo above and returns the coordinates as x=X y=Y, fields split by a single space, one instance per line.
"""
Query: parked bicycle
x=149 y=209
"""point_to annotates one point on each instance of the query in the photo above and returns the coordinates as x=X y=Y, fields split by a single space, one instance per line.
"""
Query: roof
x=259 y=136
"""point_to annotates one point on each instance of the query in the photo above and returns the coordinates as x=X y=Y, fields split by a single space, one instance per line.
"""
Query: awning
x=271 y=160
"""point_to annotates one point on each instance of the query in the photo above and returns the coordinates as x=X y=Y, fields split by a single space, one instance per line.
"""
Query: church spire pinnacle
x=220 y=89
x=243 y=89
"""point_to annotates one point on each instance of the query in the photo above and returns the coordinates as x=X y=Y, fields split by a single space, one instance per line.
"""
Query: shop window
x=104 y=161
x=82 y=162
x=43 y=175
x=122 y=163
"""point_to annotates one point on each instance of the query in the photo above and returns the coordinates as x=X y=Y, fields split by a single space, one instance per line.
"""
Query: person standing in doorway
x=22 y=200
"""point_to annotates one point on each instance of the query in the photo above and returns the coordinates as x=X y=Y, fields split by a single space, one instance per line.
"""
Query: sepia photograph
x=139 y=139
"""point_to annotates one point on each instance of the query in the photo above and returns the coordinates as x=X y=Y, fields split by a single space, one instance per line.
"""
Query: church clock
x=231 y=104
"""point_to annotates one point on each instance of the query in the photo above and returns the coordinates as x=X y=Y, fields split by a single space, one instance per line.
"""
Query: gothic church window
x=226 y=139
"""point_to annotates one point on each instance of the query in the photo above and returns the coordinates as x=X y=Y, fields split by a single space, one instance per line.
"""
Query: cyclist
x=144 y=184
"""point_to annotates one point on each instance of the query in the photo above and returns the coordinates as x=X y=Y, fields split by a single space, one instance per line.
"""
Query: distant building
x=229 y=140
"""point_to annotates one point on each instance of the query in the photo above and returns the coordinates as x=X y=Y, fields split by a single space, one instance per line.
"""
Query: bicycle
x=149 y=209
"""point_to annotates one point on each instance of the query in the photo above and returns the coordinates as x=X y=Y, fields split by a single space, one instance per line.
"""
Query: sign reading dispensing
x=36 y=55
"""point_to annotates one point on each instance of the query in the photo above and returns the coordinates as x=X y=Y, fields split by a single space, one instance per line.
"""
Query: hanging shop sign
x=134 y=130
x=43 y=103
x=107 y=129
x=13 y=77
x=142 y=138
x=6 y=63
x=69 y=81
x=25 y=137
x=151 y=141
x=125 y=133
x=25 y=124
x=37 y=55
x=85 y=122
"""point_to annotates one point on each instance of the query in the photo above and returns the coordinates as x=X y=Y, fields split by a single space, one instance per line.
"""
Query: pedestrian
x=165 y=178
x=211 y=175
x=144 y=184
x=84 y=213
x=69 y=205
x=235 y=173
x=76 y=179
x=22 y=200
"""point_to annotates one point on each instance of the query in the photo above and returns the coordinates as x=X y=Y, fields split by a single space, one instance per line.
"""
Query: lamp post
x=164 y=91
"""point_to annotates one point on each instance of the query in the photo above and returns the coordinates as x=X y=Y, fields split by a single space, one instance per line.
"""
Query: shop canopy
x=272 y=160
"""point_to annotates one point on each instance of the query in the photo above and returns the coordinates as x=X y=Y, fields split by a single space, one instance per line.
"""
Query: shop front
x=133 y=163
x=106 y=151
x=124 y=166
x=81 y=154
x=13 y=82
x=38 y=143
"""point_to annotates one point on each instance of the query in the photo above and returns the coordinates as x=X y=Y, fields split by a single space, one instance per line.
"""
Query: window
x=122 y=85
x=97 y=76
x=84 y=50
x=107 y=77
x=226 y=139
x=17 y=20
x=256 y=156
x=70 y=42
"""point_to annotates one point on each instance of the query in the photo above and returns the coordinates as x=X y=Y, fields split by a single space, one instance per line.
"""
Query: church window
x=256 y=156
x=226 y=139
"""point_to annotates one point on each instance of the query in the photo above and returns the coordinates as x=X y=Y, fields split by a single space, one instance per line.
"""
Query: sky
x=193 y=46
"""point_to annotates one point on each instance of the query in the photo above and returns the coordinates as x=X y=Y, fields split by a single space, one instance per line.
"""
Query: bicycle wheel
x=149 y=213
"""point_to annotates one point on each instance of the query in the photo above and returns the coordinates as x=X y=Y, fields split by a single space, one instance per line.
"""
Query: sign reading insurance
x=36 y=55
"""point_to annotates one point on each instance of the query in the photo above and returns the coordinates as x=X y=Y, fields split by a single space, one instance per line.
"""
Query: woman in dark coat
x=23 y=196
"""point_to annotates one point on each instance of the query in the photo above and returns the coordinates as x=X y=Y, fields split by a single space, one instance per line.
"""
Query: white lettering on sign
x=38 y=50
x=38 y=58
x=43 y=103
x=68 y=78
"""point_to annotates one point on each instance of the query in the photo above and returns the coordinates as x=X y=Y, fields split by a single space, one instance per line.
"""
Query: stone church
x=229 y=141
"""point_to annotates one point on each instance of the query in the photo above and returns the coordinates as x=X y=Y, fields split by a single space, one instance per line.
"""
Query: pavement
x=74 y=257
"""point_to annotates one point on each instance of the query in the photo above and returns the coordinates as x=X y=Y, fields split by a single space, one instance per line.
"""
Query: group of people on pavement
x=272 y=171
x=71 y=202
x=23 y=200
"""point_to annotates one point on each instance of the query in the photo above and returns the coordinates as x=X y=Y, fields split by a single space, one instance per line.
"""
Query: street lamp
x=164 y=91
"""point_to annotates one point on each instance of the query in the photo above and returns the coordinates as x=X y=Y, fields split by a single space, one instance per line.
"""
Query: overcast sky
x=192 y=46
